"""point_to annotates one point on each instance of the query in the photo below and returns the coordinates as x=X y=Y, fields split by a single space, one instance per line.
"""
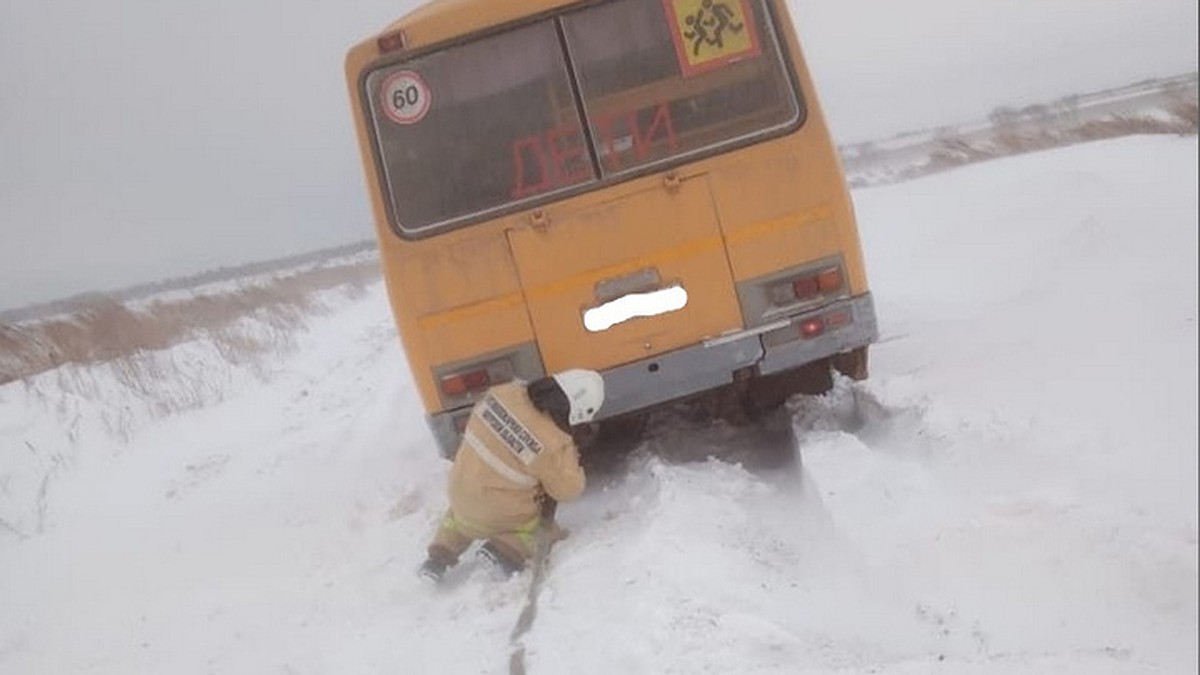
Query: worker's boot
x=503 y=561
x=432 y=570
x=435 y=566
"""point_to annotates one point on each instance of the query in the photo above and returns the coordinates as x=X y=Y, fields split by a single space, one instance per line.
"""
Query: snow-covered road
x=1013 y=491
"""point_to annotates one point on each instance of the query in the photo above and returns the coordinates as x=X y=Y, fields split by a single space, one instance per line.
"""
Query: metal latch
x=671 y=181
x=539 y=220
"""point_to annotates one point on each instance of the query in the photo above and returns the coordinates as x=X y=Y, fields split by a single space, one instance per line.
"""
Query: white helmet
x=585 y=392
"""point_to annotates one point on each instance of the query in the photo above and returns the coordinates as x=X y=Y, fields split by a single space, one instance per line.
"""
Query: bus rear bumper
x=784 y=350
x=771 y=349
x=788 y=343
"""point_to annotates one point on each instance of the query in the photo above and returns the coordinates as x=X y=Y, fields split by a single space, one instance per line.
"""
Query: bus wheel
x=770 y=392
x=852 y=364
x=614 y=440
x=627 y=429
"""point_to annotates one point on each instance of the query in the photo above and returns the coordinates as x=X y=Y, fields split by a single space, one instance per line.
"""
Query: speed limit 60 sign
x=406 y=97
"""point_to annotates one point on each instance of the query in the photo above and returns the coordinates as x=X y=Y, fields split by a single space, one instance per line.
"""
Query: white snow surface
x=1013 y=491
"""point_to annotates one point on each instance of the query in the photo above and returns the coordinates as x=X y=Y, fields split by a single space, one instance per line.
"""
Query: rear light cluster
x=476 y=378
x=816 y=326
x=809 y=286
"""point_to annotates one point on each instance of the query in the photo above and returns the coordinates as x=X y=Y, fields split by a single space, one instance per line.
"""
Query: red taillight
x=829 y=280
x=806 y=287
x=454 y=386
x=838 y=319
x=461 y=383
x=819 y=325
x=811 y=328
x=476 y=378
x=814 y=326
x=809 y=287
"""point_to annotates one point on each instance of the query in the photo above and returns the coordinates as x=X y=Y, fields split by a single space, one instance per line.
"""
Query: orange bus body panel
x=520 y=279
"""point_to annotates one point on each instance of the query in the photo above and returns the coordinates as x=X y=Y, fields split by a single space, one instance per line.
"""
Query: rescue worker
x=516 y=461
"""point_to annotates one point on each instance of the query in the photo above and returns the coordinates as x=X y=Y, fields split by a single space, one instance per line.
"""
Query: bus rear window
x=668 y=78
x=495 y=124
x=471 y=129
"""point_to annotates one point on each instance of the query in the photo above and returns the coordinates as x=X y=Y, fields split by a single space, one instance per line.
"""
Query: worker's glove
x=550 y=529
x=547 y=506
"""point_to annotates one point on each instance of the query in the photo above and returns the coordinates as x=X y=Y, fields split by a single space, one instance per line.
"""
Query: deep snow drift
x=1013 y=491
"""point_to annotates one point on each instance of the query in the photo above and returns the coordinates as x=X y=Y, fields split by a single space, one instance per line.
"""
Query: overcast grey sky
x=148 y=139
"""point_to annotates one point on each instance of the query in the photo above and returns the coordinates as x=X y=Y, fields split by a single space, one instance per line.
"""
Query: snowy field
x=1013 y=491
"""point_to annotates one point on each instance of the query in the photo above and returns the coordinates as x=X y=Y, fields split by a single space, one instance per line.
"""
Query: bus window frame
x=603 y=181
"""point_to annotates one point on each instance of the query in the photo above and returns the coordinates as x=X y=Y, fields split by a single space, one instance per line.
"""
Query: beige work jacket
x=509 y=455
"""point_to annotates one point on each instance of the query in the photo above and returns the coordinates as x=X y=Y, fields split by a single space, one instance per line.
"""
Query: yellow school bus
x=541 y=171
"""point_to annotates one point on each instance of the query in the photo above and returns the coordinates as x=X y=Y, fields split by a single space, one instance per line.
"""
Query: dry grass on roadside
x=1182 y=119
x=104 y=329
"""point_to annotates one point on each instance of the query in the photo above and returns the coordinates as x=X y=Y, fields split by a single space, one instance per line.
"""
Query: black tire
x=852 y=364
x=772 y=391
x=613 y=442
